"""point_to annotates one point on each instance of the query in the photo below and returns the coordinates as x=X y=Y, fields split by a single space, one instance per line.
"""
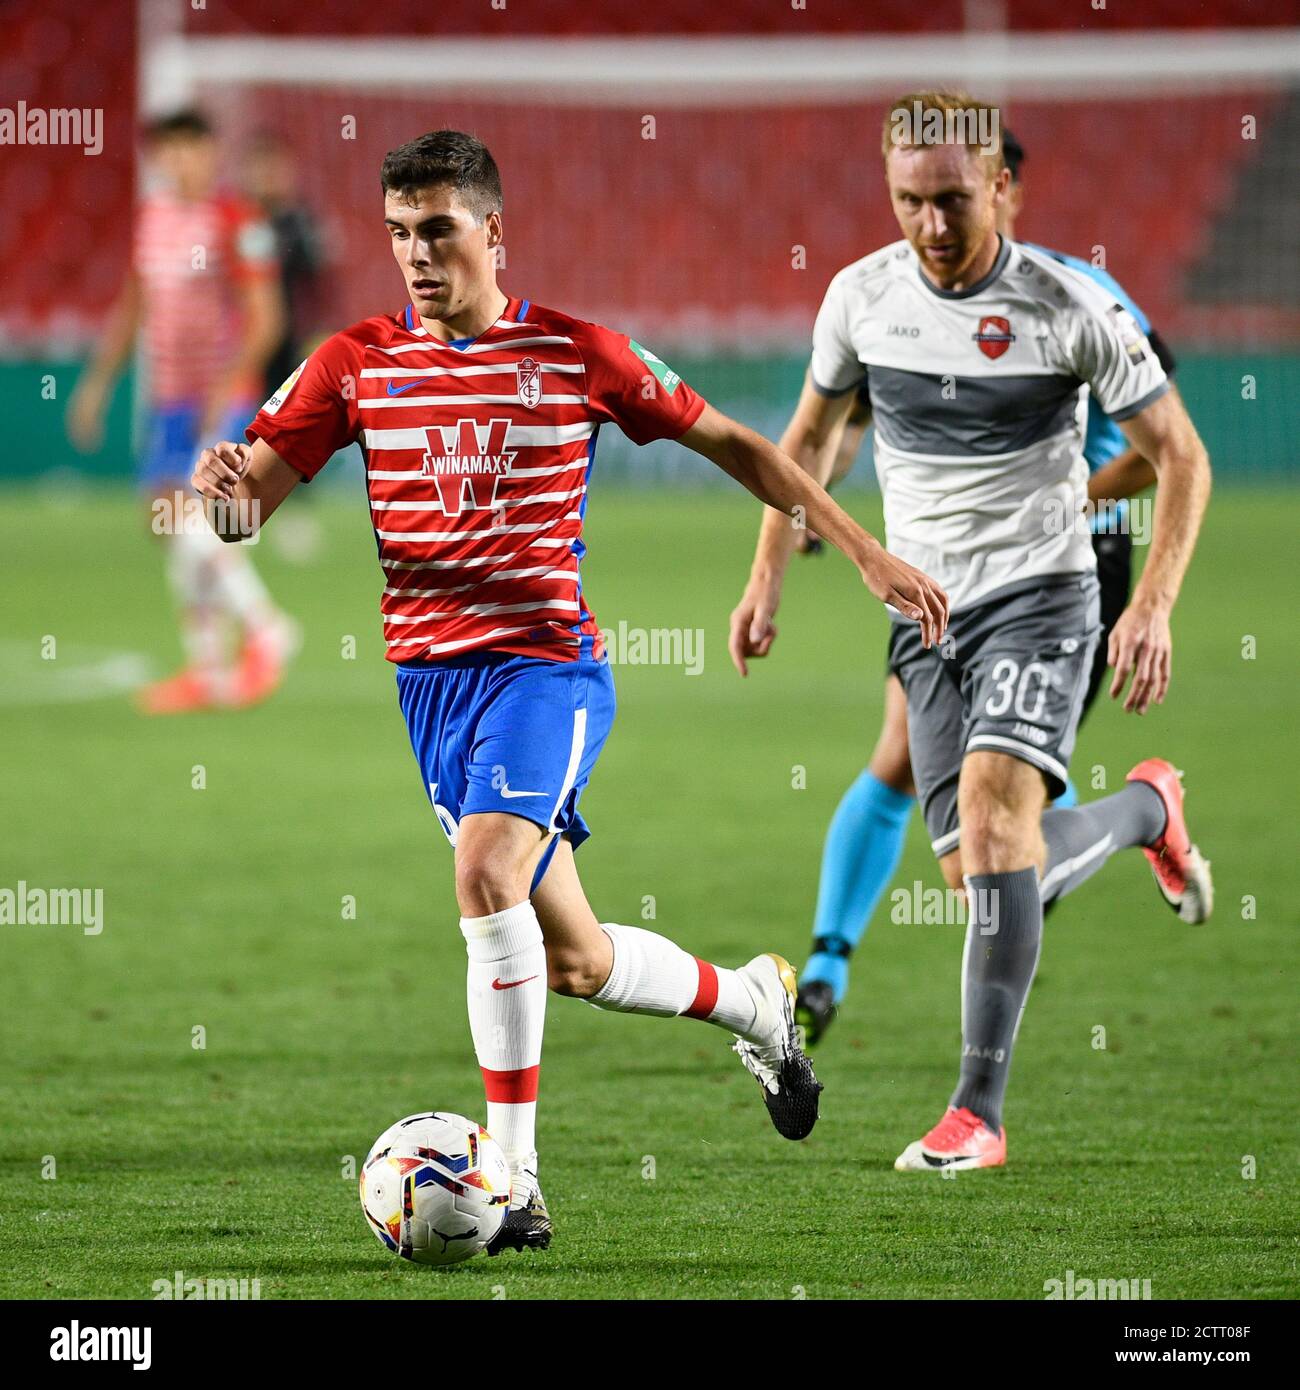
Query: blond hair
x=932 y=118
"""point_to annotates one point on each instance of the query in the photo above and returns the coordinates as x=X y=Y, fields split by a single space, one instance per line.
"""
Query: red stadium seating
x=690 y=235
x=522 y=17
x=65 y=216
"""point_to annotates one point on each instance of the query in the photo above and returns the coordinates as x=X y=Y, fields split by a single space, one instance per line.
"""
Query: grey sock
x=1003 y=933
x=1082 y=838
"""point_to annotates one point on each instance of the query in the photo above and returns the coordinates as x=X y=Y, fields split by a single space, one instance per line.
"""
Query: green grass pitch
x=223 y=911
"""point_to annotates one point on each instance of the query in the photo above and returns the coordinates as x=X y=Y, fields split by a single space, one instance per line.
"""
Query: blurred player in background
x=865 y=839
x=477 y=412
x=271 y=180
x=975 y=351
x=202 y=295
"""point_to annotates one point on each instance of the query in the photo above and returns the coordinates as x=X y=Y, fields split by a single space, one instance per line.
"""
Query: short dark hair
x=189 y=122
x=1013 y=154
x=445 y=157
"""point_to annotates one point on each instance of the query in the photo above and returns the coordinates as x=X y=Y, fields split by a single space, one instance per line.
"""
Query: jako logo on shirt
x=466 y=462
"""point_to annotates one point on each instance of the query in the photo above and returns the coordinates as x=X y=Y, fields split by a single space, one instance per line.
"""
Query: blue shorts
x=513 y=734
x=173 y=445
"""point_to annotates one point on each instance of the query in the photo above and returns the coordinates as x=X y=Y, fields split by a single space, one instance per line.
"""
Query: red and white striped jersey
x=191 y=257
x=477 y=456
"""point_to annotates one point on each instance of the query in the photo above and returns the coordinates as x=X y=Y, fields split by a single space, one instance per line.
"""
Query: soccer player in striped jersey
x=477 y=414
x=976 y=351
x=864 y=841
x=201 y=294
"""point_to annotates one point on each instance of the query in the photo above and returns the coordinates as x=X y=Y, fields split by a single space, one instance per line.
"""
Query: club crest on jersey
x=994 y=336
x=530 y=382
x=466 y=462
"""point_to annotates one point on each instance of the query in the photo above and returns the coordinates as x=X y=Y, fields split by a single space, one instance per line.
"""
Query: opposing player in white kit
x=975 y=351
x=865 y=838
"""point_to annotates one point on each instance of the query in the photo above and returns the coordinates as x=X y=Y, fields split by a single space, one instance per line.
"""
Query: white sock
x=240 y=591
x=191 y=574
x=506 y=992
x=652 y=975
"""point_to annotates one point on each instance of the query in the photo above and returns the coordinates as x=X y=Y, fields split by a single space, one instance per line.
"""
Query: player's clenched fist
x=913 y=593
x=220 y=468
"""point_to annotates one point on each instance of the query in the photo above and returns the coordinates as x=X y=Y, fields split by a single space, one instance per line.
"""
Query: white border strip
x=1066 y=867
x=945 y=844
x=1026 y=752
x=758 y=71
x=575 y=764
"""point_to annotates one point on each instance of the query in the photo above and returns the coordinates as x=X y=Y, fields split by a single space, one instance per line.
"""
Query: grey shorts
x=1009 y=676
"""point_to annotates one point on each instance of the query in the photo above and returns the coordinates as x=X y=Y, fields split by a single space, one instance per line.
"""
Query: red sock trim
x=706 y=993
x=511 y=1087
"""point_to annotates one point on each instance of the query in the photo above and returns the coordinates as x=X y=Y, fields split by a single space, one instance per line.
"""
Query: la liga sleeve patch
x=272 y=406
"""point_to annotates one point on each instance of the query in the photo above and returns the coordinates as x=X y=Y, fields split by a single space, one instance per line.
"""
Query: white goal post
x=727 y=71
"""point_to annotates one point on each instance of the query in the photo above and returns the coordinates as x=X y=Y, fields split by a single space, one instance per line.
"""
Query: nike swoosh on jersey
x=507 y=793
x=510 y=984
x=407 y=387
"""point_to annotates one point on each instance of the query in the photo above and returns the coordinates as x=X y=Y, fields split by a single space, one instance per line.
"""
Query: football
x=435 y=1188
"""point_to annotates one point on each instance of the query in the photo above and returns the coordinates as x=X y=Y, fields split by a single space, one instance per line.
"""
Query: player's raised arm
x=243 y=485
x=1141 y=643
x=790 y=490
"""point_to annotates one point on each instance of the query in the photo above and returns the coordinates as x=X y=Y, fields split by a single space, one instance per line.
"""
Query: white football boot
x=528 y=1224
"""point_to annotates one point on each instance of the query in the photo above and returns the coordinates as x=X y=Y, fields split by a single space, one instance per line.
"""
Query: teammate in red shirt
x=201 y=294
x=477 y=415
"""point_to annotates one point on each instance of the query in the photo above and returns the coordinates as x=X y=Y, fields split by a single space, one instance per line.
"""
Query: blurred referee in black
x=270 y=180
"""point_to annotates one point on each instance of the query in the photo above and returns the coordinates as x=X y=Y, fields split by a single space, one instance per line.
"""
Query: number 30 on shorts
x=1011 y=683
